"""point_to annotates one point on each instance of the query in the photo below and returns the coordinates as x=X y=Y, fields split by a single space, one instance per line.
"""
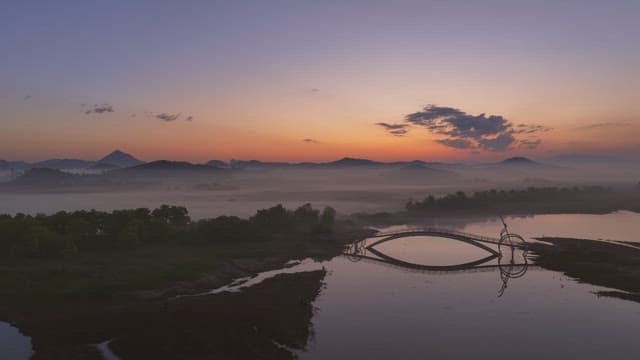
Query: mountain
x=166 y=165
x=239 y=164
x=13 y=165
x=45 y=176
x=218 y=164
x=519 y=161
x=104 y=166
x=120 y=159
x=64 y=164
x=348 y=162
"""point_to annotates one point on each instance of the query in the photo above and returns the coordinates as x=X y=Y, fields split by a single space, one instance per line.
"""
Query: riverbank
x=606 y=264
x=270 y=320
x=530 y=201
x=158 y=271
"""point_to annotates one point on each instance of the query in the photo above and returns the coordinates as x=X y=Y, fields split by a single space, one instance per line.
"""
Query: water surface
x=372 y=310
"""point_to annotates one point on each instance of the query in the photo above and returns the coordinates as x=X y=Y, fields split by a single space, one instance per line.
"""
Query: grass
x=107 y=274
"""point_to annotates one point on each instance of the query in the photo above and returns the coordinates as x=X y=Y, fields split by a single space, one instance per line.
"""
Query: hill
x=519 y=161
x=45 y=176
x=218 y=164
x=347 y=162
x=64 y=164
x=167 y=165
x=120 y=159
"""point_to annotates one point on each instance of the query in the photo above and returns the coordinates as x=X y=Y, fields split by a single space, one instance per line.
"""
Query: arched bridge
x=508 y=265
x=451 y=234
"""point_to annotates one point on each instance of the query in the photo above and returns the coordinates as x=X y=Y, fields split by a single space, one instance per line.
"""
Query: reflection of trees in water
x=511 y=247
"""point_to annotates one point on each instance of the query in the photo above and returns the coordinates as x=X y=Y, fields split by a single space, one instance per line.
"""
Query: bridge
x=507 y=265
x=506 y=239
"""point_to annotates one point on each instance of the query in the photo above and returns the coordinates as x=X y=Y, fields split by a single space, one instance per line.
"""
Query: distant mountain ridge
x=167 y=165
x=347 y=161
x=519 y=160
x=120 y=159
x=63 y=164
x=116 y=159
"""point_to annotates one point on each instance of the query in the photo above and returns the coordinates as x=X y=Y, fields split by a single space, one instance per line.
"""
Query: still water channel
x=371 y=310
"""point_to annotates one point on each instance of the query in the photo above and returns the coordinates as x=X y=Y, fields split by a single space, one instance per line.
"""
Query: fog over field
x=240 y=188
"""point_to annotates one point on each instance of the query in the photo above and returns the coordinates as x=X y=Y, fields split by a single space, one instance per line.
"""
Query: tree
x=177 y=216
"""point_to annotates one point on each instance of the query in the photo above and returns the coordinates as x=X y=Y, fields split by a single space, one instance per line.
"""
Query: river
x=372 y=310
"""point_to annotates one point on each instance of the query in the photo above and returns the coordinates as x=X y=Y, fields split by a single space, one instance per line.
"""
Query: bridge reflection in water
x=508 y=253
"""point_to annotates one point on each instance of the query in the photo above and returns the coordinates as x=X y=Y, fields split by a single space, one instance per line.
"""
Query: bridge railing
x=437 y=230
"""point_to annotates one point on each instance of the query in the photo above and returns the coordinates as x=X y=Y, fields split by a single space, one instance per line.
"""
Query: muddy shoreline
x=270 y=320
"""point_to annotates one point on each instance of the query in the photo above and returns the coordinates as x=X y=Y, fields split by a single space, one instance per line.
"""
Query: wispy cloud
x=99 y=109
x=395 y=129
x=167 y=116
x=531 y=129
x=530 y=144
x=310 y=141
x=610 y=124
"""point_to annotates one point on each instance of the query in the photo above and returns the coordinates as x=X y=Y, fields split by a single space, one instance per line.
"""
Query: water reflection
x=367 y=311
x=13 y=345
x=508 y=265
x=508 y=254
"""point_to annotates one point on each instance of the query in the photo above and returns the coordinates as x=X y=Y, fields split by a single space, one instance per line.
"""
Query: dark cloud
x=395 y=129
x=465 y=131
x=501 y=142
x=310 y=141
x=530 y=144
x=27 y=97
x=189 y=118
x=457 y=124
x=315 y=90
x=457 y=143
x=99 y=109
x=167 y=117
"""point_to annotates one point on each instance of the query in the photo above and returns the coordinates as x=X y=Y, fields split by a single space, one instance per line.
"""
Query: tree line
x=492 y=199
x=66 y=233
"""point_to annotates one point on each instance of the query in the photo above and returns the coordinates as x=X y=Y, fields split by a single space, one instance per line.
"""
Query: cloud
x=461 y=130
x=189 y=118
x=612 y=124
x=456 y=143
x=167 y=117
x=99 y=109
x=457 y=124
x=310 y=141
x=27 y=97
x=531 y=129
x=501 y=142
x=530 y=144
x=395 y=129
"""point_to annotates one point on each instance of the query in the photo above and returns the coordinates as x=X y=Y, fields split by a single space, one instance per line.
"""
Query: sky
x=318 y=80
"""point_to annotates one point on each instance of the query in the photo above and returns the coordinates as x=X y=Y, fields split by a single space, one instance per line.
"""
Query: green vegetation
x=530 y=200
x=85 y=254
